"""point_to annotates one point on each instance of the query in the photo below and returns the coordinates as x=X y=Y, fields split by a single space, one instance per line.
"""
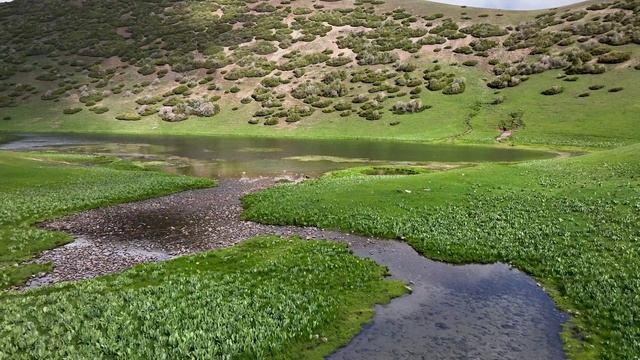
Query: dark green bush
x=614 y=57
x=554 y=90
x=180 y=89
x=99 y=109
x=70 y=111
x=484 y=30
x=128 y=117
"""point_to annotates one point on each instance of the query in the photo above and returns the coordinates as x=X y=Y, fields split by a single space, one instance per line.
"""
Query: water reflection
x=225 y=157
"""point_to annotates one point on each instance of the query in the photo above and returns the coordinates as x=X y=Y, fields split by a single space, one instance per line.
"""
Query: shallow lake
x=228 y=157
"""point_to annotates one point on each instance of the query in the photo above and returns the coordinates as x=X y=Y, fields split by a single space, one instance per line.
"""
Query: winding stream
x=454 y=312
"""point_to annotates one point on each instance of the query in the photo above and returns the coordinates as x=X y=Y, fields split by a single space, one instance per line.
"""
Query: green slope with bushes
x=367 y=68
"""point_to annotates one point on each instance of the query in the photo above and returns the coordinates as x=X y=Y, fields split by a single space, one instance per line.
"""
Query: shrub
x=412 y=106
x=457 y=86
x=616 y=89
x=484 y=30
x=271 y=122
x=100 y=109
x=554 y=90
x=342 y=106
x=339 y=61
x=147 y=69
x=172 y=114
x=253 y=121
x=596 y=87
x=149 y=100
x=614 y=57
x=180 y=89
x=483 y=45
x=146 y=110
x=270 y=81
x=470 y=63
x=463 y=50
x=128 y=117
x=584 y=94
x=293 y=117
x=406 y=67
x=202 y=108
x=70 y=111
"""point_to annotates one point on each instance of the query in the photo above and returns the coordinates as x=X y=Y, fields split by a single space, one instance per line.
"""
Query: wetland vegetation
x=563 y=80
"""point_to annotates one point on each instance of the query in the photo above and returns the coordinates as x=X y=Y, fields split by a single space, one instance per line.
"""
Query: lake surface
x=511 y=4
x=229 y=157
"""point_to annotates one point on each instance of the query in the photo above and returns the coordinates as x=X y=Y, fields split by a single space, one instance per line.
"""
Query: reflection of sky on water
x=511 y=4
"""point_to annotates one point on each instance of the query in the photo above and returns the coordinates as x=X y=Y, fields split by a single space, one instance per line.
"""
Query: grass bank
x=35 y=187
x=572 y=223
x=265 y=298
x=601 y=120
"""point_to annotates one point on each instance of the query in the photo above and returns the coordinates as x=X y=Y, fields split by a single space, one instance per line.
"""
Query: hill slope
x=397 y=69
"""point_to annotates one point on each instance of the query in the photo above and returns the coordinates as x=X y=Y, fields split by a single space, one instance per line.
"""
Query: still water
x=229 y=157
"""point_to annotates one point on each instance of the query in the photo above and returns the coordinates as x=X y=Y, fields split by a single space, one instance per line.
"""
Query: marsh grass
x=572 y=223
x=36 y=187
x=267 y=297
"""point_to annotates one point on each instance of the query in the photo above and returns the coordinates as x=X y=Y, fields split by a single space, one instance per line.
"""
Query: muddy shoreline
x=453 y=312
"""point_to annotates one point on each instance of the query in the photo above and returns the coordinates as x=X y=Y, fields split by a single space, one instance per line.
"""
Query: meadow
x=571 y=223
x=268 y=297
x=36 y=187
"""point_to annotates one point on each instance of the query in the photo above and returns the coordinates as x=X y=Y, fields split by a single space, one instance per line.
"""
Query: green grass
x=572 y=223
x=35 y=187
x=265 y=298
x=602 y=120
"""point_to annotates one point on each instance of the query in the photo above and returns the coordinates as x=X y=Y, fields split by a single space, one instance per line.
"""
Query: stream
x=453 y=312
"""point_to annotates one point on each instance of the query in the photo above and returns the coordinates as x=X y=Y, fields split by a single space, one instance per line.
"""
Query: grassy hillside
x=35 y=187
x=572 y=223
x=401 y=69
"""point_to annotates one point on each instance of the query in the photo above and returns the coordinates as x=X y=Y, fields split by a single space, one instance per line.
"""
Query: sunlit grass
x=573 y=223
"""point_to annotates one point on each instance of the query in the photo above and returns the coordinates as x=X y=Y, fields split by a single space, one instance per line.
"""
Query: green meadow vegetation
x=398 y=69
x=265 y=298
x=570 y=222
x=565 y=79
x=36 y=187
